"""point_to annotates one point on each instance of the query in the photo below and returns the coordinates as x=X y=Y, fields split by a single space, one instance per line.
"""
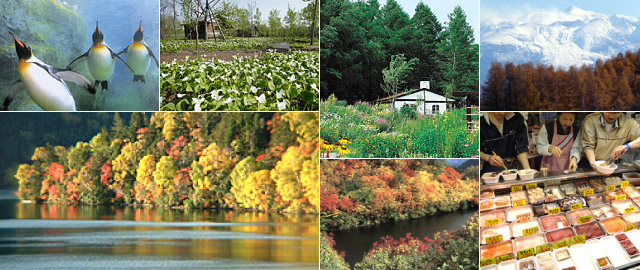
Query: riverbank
x=445 y=249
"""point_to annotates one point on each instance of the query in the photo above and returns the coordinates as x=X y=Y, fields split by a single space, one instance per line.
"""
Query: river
x=71 y=236
x=357 y=241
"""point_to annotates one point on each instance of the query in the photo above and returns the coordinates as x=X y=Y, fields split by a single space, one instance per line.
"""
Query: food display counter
x=582 y=220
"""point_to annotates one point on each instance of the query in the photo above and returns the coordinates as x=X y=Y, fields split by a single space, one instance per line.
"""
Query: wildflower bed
x=272 y=82
x=372 y=131
x=170 y=46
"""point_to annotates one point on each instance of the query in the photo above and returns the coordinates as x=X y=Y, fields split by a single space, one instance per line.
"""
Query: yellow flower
x=343 y=150
x=327 y=146
x=344 y=141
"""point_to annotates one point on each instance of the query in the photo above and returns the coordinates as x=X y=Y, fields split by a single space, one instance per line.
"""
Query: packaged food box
x=575 y=217
x=612 y=194
x=519 y=195
x=545 y=261
x=630 y=249
x=536 y=195
x=583 y=186
x=561 y=234
x=527 y=264
x=497 y=249
x=569 y=189
x=624 y=207
x=597 y=185
x=502 y=202
x=553 y=193
x=486 y=195
x=563 y=259
x=613 y=225
x=519 y=214
x=486 y=205
x=503 y=229
x=613 y=180
x=554 y=222
x=568 y=201
x=590 y=230
x=603 y=211
x=543 y=208
x=596 y=199
x=631 y=191
x=518 y=229
x=496 y=214
x=632 y=217
x=530 y=241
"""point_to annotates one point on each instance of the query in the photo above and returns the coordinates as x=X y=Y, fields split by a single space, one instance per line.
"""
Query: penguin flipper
x=13 y=91
x=151 y=53
x=123 y=51
x=114 y=55
x=77 y=60
x=77 y=78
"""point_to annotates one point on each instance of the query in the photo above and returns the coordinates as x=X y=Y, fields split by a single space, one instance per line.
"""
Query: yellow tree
x=29 y=182
x=286 y=174
x=163 y=175
x=257 y=191
x=144 y=182
x=215 y=164
x=238 y=176
x=309 y=180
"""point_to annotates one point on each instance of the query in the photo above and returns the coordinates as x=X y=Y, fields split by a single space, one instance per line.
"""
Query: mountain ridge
x=571 y=37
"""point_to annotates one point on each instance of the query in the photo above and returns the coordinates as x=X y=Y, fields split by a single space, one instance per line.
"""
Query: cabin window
x=435 y=109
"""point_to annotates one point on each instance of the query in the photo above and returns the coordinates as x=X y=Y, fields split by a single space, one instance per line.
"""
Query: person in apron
x=563 y=153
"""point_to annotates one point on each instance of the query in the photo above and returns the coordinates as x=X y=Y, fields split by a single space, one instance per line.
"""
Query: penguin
x=101 y=60
x=44 y=83
x=138 y=56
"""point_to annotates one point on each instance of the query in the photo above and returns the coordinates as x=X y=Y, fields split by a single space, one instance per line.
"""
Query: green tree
x=458 y=55
x=395 y=75
x=275 y=23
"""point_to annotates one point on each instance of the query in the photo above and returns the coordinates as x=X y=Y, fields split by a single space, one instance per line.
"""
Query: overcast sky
x=491 y=8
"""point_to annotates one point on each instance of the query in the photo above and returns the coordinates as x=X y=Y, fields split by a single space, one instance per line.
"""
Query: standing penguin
x=101 y=60
x=44 y=83
x=138 y=56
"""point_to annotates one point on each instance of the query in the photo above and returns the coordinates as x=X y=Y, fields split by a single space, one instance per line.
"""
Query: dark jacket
x=509 y=144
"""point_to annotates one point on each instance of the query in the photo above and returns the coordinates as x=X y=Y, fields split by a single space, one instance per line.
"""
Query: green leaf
x=169 y=107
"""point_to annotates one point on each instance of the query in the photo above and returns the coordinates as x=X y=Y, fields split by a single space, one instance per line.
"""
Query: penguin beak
x=23 y=50
x=98 y=28
x=140 y=27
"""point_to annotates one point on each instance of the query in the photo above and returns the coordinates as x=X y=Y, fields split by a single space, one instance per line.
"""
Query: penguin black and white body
x=44 y=83
x=138 y=56
x=100 y=59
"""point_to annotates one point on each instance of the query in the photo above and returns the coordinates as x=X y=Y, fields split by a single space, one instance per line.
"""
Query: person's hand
x=556 y=151
x=496 y=160
x=618 y=151
x=573 y=165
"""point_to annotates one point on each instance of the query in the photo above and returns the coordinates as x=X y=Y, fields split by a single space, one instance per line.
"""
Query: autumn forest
x=613 y=84
x=256 y=161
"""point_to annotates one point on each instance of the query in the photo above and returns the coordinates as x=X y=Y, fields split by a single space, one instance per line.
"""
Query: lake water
x=70 y=236
x=358 y=241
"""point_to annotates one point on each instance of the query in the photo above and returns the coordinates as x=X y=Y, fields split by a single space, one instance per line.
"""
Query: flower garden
x=274 y=82
x=375 y=131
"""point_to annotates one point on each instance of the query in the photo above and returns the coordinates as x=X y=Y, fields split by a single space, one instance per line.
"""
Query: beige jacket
x=595 y=135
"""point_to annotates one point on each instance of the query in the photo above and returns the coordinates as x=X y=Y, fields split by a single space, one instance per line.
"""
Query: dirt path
x=221 y=55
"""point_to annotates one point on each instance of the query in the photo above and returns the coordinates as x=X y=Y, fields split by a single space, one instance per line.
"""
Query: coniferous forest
x=359 y=39
x=613 y=84
x=258 y=161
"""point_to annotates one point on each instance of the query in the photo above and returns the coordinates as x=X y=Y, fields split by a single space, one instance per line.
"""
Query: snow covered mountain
x=560 y=38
